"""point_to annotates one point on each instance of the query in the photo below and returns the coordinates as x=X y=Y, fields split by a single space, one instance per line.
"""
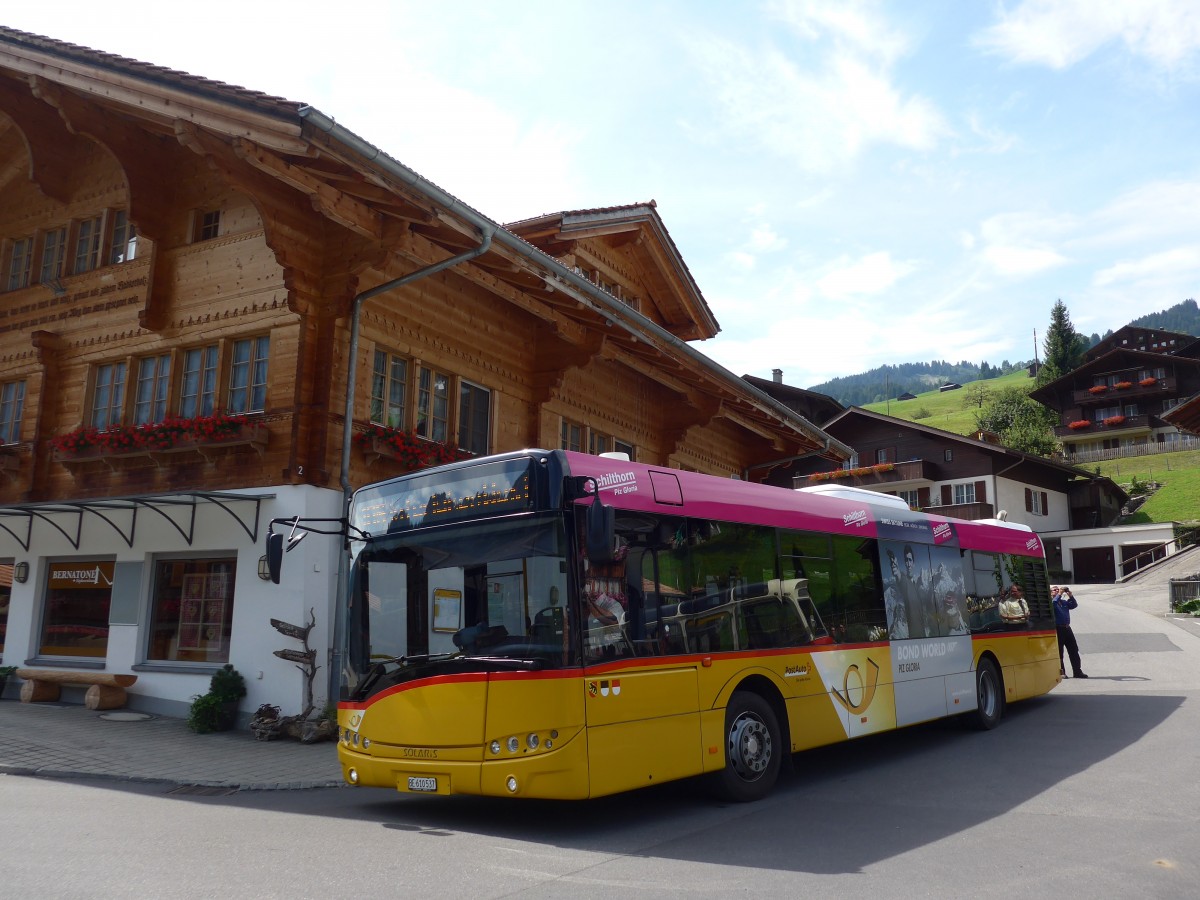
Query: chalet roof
x=1185 y=416
x=784 y=391
x=1139 y=334
x=309 y=155
x=555 y=233
x=1017 y=456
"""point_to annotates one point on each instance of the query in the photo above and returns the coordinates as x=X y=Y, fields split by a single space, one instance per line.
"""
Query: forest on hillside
x=890 y=381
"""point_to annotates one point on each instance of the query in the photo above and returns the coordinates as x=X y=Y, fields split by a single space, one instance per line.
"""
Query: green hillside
x=945 y=410
x=1177 y=500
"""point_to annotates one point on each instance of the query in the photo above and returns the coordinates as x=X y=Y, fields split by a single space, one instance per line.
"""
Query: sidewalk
x=58 y=740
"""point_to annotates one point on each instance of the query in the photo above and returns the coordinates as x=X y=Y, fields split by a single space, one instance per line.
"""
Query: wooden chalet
x=218 y=307
x=1122 y=392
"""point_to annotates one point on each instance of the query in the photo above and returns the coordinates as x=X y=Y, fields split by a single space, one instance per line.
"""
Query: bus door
x=640 y=694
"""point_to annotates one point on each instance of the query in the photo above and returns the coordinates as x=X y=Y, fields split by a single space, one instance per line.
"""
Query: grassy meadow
x=1177 y=500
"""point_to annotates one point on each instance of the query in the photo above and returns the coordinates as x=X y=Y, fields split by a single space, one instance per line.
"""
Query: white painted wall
x=1010 y=495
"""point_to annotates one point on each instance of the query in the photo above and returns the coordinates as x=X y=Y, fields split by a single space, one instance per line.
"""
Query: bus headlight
x=511 y=784
x=513 y=744
x=532 y=741
x=494 y=747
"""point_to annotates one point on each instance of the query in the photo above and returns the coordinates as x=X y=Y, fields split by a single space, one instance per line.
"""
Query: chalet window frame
x=107 y=394
x=382 y=401
x=202 y=401
x=964 y=493
x=12 y=408
x=152 y=392
x=474 y=437
x=206 y=225
x=52 y=253
x=257 y=369
x=434 y=403
x=18 y=262
x=87 y=241
x=885 y=455
x=122 y=238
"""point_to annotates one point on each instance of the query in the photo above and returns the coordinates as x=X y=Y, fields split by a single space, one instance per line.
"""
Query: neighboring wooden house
x=1120 y=394
x=814 y=406
x=950 y=386
x=175 y=251
x=961 y=476
x=907 y=396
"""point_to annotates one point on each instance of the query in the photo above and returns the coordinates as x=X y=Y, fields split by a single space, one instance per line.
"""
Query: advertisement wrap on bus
x=553 y=624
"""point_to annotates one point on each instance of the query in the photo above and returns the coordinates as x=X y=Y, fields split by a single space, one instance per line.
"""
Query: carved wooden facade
x=175 y=250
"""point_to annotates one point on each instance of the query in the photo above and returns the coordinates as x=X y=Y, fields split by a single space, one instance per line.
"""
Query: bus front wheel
x=753 y=749
x=989 y=691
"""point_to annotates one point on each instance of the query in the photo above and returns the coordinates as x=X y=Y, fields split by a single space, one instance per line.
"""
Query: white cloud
x=1060 y=33
x=870 y=274
x=1018 y=245
x=1181 y=263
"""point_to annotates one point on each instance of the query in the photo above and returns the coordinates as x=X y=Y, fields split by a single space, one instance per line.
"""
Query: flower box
x=1114 y=420
x=1098 y=389
x=1079 y=425
x=1123 y=385
x=1148 y=382
x=125 y=446
x=410 y=450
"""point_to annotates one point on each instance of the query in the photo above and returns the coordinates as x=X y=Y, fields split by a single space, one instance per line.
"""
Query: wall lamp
x=21 y=572
x=264 y=571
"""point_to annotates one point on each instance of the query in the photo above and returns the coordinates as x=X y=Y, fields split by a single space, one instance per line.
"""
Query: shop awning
x=121 y=514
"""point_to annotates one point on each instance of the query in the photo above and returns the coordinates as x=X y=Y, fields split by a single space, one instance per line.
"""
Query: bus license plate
x=422 y=784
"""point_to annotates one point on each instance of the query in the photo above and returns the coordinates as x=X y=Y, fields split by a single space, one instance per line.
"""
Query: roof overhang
x=121 y=514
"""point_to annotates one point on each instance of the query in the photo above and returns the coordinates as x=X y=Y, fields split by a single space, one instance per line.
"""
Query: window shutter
x=1028 y=500
x=1045 y=502
x=981 y=492
x=947 y=495
x=923 y=497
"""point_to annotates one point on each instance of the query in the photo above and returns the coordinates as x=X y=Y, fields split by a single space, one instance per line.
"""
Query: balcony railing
x=1161 y=385
x=915 y=470
x=1093 y=429
x=969 y=511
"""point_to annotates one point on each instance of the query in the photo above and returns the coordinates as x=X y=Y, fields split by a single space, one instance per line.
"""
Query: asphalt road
x=1089 y=792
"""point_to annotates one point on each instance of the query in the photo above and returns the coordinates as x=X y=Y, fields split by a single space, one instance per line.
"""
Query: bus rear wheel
x=753 y=749
x=989 y=691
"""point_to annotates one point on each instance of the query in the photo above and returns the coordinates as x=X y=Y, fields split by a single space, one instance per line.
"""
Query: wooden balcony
x=1166 y=385
x=915 y=471
x=969 y=511
x=1131 y=425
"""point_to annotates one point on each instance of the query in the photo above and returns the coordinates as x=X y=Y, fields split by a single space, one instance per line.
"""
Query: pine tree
x=1064 y=346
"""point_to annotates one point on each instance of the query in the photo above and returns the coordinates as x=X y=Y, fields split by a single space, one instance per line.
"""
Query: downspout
x=601 y=302
x=339 y=625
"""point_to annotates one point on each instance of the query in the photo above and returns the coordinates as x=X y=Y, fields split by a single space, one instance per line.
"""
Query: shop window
x=198 y=386
x=248 y=375
x=75 y=613
x=433 y=405
x=191 y=610
x=87 y=244
x=389 y=390
x=12 y=404
x=108 y=395
x=153 y=382
x=474 y=418
x=20 y=259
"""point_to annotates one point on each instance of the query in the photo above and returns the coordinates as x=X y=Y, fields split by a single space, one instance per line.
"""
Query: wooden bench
x=107 y=689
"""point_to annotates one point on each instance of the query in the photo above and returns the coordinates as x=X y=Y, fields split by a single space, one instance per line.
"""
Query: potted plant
x=217 y=710
x=5 y=671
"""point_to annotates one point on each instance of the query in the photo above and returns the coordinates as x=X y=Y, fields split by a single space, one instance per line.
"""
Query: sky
x=851 y=183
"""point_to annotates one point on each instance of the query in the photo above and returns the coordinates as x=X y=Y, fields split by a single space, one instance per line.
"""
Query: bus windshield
x=489 y=592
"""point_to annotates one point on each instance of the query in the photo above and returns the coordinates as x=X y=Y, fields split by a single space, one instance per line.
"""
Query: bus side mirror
x=601 y=531
x=274 y=554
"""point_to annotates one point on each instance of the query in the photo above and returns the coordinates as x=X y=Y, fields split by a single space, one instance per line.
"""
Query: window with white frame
x=474 y=418
x=433 y=405
x=389 y=390
x=248 y=375
x=122 y=246
x=208 y=224
x=54 y=254
x=153 y=387
x=20 y=260
x=108 y=395
x=572 y=435
x=88 y=233
x=910 y=497
x=12 y=404
x=964 y=493
x=198 y=381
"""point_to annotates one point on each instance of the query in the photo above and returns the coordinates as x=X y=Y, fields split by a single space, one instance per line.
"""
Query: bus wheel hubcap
x=749 y=746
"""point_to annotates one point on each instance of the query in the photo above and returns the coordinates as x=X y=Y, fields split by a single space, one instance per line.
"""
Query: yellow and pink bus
x=553 y=624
